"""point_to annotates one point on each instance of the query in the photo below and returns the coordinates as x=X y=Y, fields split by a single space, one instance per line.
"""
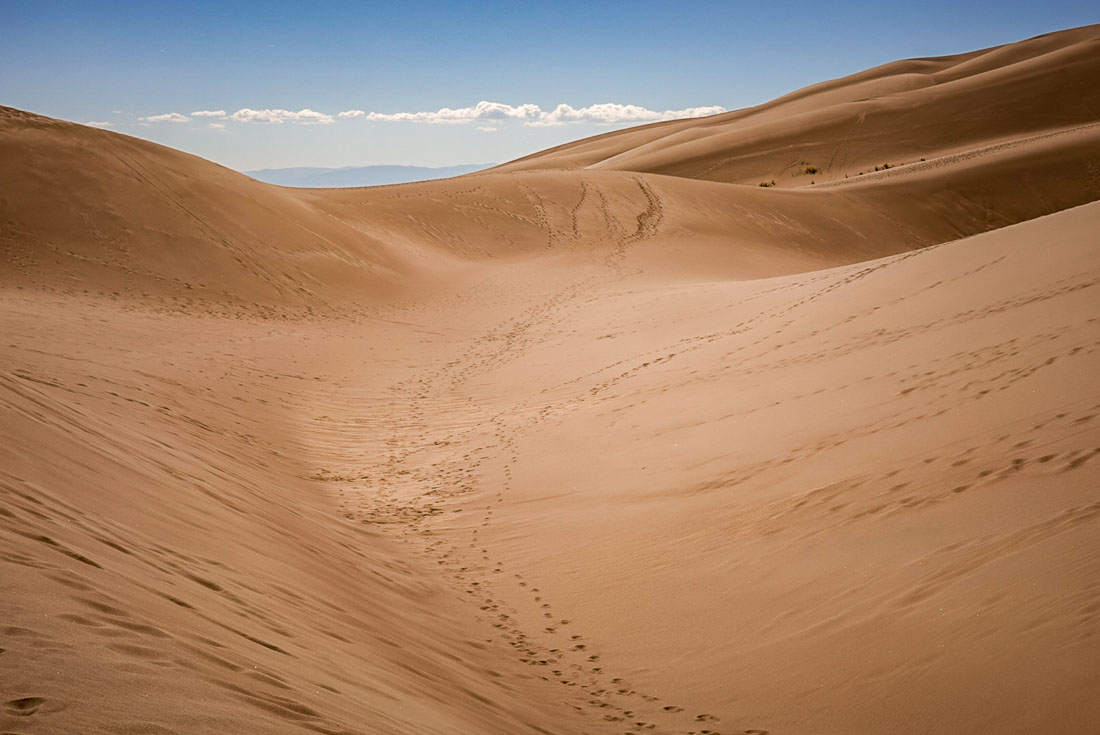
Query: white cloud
x=608 y=113
x=173 y=117
x=216 y=126
x=490 y=114
x=98 y=124
x=611 y=113
x=302 y=117
x=481 y=111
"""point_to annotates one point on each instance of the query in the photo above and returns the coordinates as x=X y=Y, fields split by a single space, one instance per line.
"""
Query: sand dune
x=893 y=114
x=609 y=439
x=89 y=209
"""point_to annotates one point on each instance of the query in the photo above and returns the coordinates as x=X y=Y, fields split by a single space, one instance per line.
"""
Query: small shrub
x=767 y=184
x=811 y=170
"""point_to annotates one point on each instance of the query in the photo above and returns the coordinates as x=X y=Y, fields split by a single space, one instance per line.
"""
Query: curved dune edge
x=572 y=450
x=893 y=114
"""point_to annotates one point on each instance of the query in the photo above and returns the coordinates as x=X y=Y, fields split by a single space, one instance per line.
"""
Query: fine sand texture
x=610 y=439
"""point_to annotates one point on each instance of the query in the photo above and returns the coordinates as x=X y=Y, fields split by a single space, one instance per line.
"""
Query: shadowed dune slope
x=90 y=209
x=601 y=441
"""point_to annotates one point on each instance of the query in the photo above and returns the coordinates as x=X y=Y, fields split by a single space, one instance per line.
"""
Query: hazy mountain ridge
x=322 y=178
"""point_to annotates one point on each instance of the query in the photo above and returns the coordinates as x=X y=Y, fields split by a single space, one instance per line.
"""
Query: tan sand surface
x=609 y=439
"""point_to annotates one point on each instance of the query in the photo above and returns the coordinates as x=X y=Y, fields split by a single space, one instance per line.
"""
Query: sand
x=609 y=439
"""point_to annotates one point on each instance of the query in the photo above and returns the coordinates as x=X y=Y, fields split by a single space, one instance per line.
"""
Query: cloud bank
x=446 y=115
x=608 y=113
x=301 y=117
x=487 y=115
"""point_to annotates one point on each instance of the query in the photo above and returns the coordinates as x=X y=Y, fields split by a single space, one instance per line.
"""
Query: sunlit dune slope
x=894 y=114
x=861 y=500
x=685 y=225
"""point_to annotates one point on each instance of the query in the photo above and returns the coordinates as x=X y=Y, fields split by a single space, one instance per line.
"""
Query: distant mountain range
x=320 y=178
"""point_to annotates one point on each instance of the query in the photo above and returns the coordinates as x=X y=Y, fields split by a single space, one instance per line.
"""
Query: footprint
x=23 y=707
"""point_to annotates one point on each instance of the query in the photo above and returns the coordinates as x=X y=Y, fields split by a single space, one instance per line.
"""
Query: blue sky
x=118 y=62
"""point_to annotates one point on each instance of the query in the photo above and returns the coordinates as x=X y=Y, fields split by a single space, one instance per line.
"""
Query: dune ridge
x=853 y=124
x=607 y=439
